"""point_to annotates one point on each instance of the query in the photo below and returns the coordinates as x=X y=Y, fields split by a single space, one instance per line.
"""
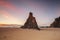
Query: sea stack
x=31 y=22
x=56 y=23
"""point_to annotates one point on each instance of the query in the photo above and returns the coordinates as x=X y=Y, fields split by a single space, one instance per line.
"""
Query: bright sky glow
x=16 y=12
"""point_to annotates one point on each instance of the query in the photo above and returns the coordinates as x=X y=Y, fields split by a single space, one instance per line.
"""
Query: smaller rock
x=56 y=23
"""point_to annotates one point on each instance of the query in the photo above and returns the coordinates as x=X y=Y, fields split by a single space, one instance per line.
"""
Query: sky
x=17 y=11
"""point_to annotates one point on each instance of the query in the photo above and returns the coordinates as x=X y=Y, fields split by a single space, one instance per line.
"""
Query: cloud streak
x=8 y=18
x=7 y=5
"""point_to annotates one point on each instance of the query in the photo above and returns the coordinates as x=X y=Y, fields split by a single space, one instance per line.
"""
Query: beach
x=29 y=34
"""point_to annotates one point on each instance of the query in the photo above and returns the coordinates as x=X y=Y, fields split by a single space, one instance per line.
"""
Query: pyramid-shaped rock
x=56 y=23
x=31 y=22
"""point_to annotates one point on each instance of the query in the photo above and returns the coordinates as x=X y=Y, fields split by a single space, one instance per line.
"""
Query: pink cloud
x=7 y=5
x=8 y=18
x=7 y=15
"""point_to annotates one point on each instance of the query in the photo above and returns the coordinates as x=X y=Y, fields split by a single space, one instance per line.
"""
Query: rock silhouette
x=56 y=23
x=31 y=22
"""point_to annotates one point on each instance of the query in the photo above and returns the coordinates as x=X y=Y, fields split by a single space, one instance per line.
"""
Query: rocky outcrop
x=56 y=23
x=31 y=22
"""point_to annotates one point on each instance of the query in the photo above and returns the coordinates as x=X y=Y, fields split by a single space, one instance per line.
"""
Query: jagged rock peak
x=31 y=22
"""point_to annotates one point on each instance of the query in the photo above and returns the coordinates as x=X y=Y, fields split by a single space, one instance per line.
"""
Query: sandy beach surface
x=29 y=34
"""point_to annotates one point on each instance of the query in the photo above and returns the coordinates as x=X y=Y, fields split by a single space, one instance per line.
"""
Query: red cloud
x=7 y=5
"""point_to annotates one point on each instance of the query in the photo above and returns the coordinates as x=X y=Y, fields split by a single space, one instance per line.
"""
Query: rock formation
x=56 y=23
x=31 y=22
